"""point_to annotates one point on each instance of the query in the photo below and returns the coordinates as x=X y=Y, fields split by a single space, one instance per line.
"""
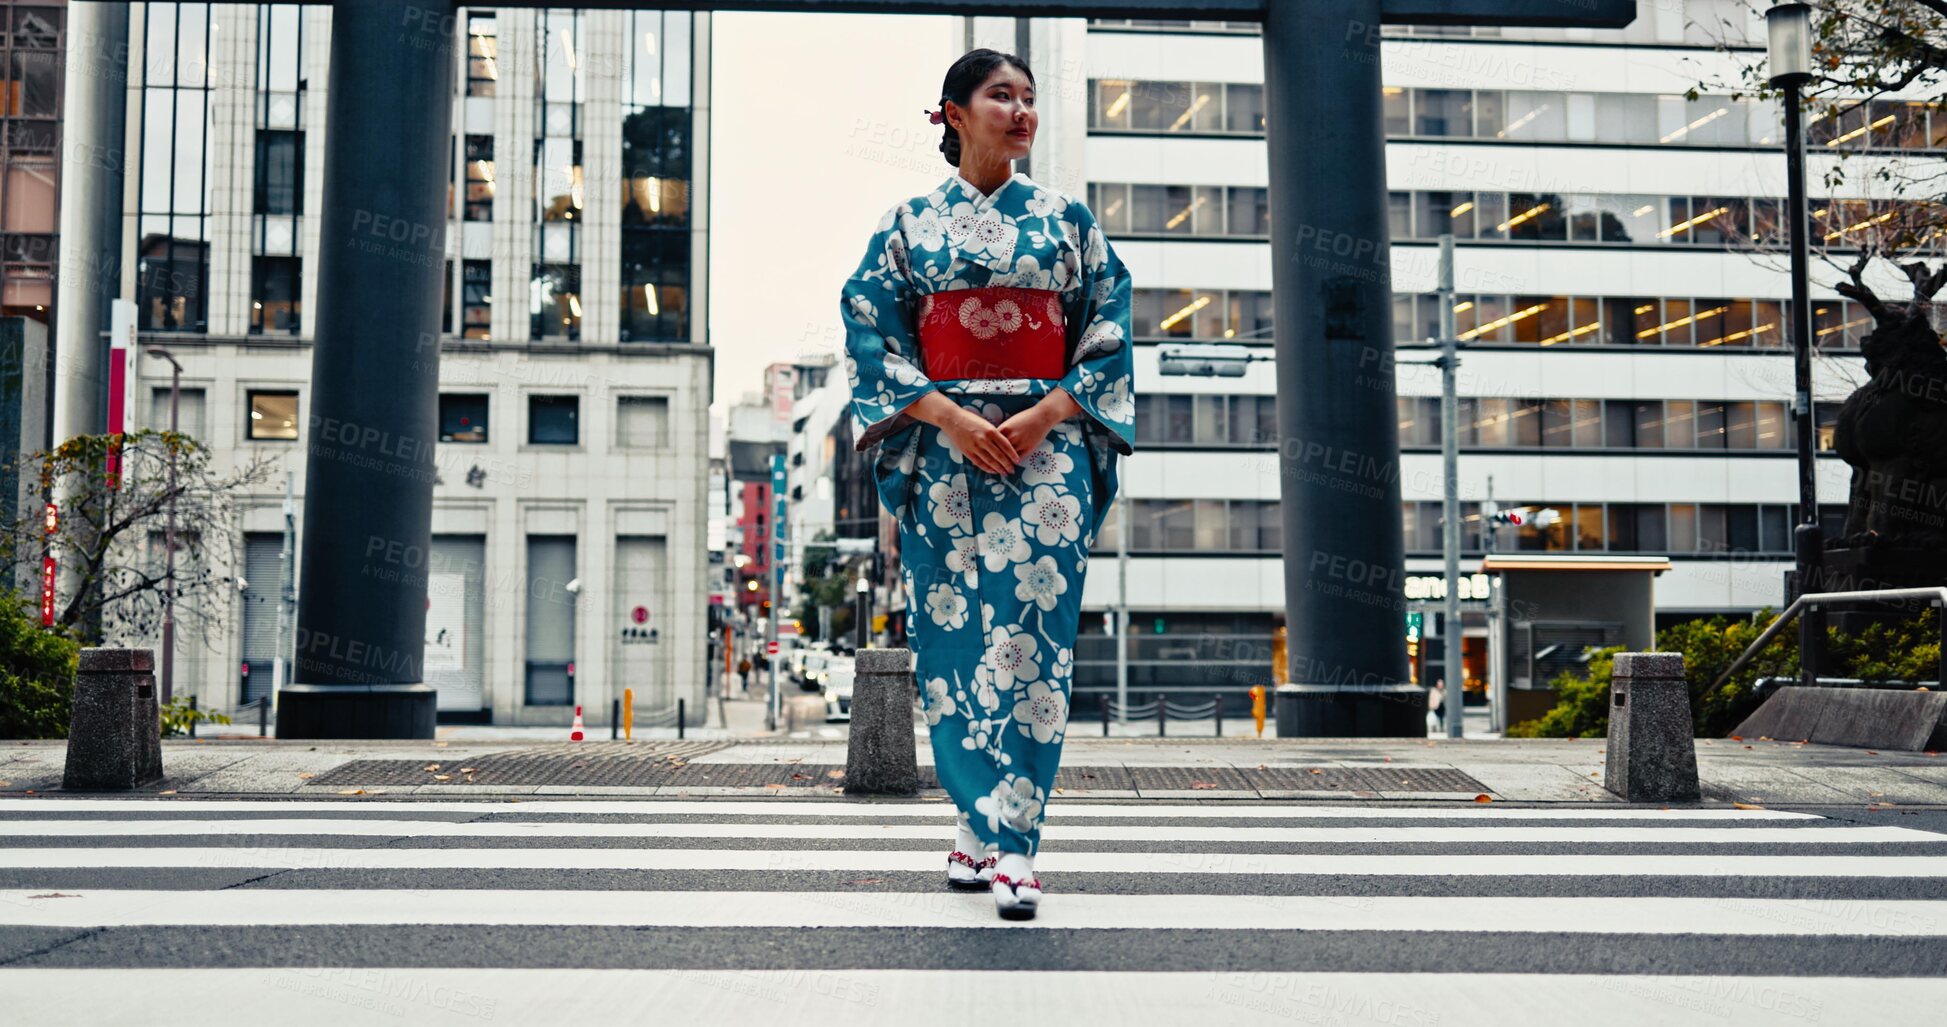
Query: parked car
x=811 y=672
x=838 y=676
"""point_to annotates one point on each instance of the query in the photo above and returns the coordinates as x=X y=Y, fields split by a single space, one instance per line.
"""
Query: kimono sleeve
x=1102 y=380
x=881 y=341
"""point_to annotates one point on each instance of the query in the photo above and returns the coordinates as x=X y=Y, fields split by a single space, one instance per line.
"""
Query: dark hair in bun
x=962 y=79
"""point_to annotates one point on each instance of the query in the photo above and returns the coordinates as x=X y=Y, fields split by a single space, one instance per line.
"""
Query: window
x=280 y=173
x=1589 y=526
x=1243 y=107
x=1250 y=210
x=642 y=422
x=273 y=414
x=554 y=420
x=482 y=53
x=274 y=295
x=1648 y=415
x=189 y=410
x=1442 y=112
x=1396 y=107
x=555 y=307
x=1419 y=420
x=550 y=652
x=479 y=178
x=462 y=417
x=476 y=299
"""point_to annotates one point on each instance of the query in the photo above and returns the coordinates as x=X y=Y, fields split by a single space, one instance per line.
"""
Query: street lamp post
x=864 y=615
x=169 y=535
x=1789 y=27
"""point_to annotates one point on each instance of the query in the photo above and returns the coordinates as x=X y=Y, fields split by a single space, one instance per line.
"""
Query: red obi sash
x=993 y=332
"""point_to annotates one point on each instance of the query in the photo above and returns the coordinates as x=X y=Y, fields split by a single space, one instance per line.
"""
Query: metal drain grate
x=1363 y=779
x=665 y=765
x=614 y=763
x=1157 y=779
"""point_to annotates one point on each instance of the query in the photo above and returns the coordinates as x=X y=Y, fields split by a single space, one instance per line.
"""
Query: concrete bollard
x=880 y=753
x=115 y=725
x=1652 y=750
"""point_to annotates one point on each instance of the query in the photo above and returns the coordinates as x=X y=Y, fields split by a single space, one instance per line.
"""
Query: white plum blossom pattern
x=1116 y=404
x=947 y=607
x=993 y=564
x=926 y=231
x=1016 y=802
x=1046 y=204
x=1041 y=583
x=1001 y=542
x=938 y=701
x=962 y=557
x=1042 y=712
x=951 y=505
x=1056 y=516
x=1011 y=655
x=1044 y=466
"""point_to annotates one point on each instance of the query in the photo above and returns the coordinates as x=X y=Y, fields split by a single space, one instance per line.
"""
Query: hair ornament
x=935 y=117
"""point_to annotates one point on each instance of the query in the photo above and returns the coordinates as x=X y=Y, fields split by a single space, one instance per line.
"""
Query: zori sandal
x=1016 y=900
x=964 y=871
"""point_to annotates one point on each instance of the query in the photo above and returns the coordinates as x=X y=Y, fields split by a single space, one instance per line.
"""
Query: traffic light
x=1415 y=621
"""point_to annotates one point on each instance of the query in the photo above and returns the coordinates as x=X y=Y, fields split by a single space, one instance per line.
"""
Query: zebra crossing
x=163 y=910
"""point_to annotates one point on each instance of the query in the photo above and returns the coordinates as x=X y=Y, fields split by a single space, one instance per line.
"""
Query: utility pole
x=1122 y=615
x=1450 y=633
x=169 y=536
x=1449 y=364
x=772 y=653
x=287 y=594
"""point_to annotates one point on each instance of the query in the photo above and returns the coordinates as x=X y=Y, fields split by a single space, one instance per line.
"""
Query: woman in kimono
x=987 y=348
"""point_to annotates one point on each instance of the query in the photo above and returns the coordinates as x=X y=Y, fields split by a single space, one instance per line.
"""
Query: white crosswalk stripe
x=817 y=911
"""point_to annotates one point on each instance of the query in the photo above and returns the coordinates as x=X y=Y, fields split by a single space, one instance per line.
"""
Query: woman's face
x=999 y=117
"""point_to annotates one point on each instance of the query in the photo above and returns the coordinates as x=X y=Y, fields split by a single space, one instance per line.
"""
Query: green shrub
x=178 y=715
x=36 y=672
x=1906 y=651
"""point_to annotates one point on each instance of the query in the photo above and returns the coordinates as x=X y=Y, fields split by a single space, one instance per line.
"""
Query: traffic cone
x=576 y=734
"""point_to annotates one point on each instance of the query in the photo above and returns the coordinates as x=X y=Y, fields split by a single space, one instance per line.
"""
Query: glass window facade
x=1624 y=219
x=1625 y=119
x=32 y=41
x=172 y=254
x=656 y=173
x=560 y=89
x=1252 y=527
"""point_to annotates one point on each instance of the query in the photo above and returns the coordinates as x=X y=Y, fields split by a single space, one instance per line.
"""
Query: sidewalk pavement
x=1758 y=771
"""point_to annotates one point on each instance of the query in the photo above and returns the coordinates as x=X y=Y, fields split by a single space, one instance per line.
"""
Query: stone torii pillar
x=358 y=670
x=1344 y=551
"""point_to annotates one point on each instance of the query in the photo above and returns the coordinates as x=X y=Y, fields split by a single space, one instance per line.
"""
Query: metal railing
x=1161 y=710
x=258 y=708
x=676 y=716
x=1813 y=601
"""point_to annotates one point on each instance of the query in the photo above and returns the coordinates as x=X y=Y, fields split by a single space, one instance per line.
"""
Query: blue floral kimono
x=993 y=564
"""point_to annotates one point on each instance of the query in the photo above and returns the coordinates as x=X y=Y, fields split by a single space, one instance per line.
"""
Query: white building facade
x=569 y=557
x=1626 y=357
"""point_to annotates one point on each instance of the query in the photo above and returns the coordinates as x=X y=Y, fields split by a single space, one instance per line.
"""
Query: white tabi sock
x=968 y=842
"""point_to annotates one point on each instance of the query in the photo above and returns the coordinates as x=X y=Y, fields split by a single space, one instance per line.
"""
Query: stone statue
x=1893 y=430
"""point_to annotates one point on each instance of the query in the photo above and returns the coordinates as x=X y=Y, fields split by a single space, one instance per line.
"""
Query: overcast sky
x=818 y=127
